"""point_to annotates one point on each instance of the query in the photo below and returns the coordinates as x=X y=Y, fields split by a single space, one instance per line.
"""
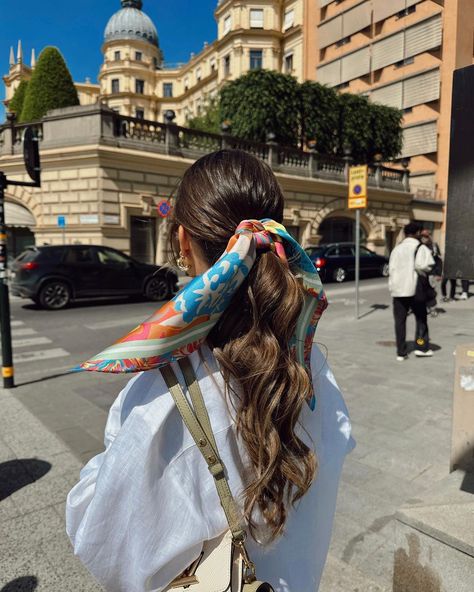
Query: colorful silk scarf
x=180 y=326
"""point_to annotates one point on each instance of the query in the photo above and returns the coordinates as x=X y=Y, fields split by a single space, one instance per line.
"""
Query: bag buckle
x=250 y=573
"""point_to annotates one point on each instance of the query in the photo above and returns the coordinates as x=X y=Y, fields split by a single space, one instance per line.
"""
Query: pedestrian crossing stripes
x=27 y=345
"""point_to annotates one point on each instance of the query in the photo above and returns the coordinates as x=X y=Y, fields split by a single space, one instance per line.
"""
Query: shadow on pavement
x=43 y=378
x=373 y=308
x=18 y=473
x=23 y=584
x=411 y=346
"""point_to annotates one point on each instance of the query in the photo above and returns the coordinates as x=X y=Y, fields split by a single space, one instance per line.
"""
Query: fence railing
x=172 y=139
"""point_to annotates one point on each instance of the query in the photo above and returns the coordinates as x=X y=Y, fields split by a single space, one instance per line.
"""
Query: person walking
x=409 y=263
x=231 y=356
x=464 y=290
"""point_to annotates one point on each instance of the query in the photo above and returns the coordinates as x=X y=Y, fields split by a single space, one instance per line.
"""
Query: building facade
x=400 y=53
x=103 y=175
x=397 y=52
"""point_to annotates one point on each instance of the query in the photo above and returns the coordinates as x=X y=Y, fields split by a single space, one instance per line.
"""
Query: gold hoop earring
x=182 y=263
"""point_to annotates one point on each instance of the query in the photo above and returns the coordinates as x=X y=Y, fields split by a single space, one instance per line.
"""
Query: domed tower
x=132 y=56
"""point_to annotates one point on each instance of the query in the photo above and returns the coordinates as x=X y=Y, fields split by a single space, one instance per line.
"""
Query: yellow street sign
x=358 y=187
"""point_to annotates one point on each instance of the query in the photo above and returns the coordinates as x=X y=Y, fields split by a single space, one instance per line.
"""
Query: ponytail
x=271 y=390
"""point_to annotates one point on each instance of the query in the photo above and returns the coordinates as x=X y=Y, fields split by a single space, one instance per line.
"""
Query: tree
x=18 y=99
x=259 y=102
x=386 y=136
x=51 y=86
x=319 y=110
x=354 y=129
x=210 y=121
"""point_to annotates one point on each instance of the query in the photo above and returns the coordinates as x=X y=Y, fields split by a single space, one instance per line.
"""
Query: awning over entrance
x=16 y=215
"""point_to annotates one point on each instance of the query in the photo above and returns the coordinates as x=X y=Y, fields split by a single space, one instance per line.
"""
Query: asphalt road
x=50 y=343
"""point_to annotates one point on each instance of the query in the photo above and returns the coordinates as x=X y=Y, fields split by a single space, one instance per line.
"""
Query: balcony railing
x=168 y=138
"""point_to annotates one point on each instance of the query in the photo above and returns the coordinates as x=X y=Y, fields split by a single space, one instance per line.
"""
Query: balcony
x=99 y=125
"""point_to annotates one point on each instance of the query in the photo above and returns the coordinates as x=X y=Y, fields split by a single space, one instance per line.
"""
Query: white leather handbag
x=224 y=564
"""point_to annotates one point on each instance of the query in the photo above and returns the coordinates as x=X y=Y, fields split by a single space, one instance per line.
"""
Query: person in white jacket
x=408 y=260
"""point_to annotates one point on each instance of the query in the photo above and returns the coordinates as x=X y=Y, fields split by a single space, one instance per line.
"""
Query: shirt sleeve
x=424 y=259
x=136 y=518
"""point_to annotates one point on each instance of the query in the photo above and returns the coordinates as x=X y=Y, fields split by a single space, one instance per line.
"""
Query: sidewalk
x=401 y=418
x=36 y=472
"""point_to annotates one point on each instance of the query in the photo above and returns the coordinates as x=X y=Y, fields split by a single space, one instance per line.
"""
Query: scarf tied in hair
x=180 y=326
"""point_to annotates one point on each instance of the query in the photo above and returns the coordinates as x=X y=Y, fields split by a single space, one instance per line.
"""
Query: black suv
x=53 y=276
x=336 y=261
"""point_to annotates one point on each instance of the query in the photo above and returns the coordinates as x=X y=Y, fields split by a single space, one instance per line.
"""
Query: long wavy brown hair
x=251 y=341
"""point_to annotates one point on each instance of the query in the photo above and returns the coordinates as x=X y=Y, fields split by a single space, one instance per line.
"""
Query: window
x=109 y=257
x=227 y=24
x=81 y=255
x=365 y=252
x=117 y=56
x=344 y=41
x=140 y=87
x=256 y=59
x=186 y=84
x=227 y=65
x=213 y=64
x=198 y=74
x=256 y=18
x=115 y=85
x=138 y=56
x=406 y=11
x=139 y=113
x=346 y=251
x=405 y=62
x=288 y=63
x=167 y=89
x=155 y=62
x=289 y=19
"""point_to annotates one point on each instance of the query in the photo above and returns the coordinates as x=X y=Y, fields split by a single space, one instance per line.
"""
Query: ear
x=184 y=241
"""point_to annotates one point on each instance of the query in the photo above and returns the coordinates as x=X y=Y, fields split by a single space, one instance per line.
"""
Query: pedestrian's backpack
x=224 y=564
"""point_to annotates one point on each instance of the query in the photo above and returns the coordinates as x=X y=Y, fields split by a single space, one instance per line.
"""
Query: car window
x=51 y=254
x=346 y=251
x=315 y=251
x=79 y=255
x=366 y=252
x=332 y=252
x=109 y=257
x=27 y=256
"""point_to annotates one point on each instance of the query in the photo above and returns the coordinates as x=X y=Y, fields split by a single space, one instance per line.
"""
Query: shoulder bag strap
x=198 y=423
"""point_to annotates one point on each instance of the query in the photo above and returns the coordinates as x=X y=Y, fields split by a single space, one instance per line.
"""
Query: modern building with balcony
x=401 y=53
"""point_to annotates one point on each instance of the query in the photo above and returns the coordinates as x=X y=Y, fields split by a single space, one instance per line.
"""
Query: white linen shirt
x=142 y=509
x=404 y=268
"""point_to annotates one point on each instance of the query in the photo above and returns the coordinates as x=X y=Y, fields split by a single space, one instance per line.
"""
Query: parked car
x=53 y=276
x=336 y=261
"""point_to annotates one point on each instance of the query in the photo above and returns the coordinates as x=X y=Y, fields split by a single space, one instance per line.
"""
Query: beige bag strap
x=198 y=423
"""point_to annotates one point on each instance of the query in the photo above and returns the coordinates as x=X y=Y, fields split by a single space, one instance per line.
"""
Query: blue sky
x=77 y=27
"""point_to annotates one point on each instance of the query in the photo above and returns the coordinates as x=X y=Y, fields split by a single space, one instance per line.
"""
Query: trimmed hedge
x=51 y=86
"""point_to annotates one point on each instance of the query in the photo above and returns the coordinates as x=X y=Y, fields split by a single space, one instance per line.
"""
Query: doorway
x=143 y=238
x=340 y=230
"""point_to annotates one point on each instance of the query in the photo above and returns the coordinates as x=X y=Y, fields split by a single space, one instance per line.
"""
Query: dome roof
x=131 y=23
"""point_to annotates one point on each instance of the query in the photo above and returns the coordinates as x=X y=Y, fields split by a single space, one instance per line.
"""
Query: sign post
x=62 y=224
x=358 y=177
x=32 y=164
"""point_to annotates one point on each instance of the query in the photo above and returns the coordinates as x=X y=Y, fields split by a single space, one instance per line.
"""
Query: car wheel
x=384 y=270
x=339 y=274
x=54 y=295
x=157 y=289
